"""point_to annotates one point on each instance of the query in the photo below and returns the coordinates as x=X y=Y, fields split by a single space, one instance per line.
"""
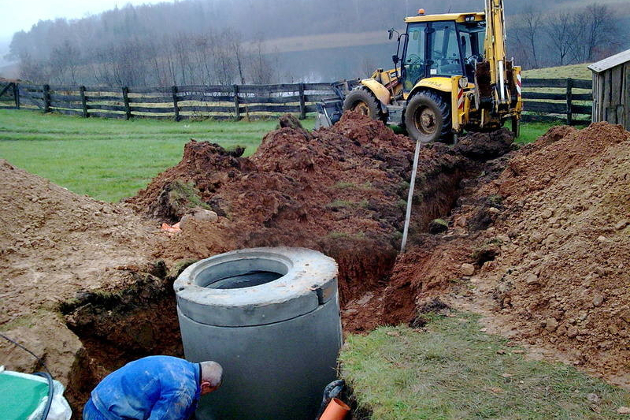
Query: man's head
x=211 y=377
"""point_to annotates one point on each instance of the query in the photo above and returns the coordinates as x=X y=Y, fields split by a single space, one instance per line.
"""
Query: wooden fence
x=545 y=100
x=551 y=100
x=177 y=102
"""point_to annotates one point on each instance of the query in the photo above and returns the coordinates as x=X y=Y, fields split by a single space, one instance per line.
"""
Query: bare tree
x=223 y=59
x=367 y=66
x=263 y=69
x=560 y=38
x=593 y=32
x=202 y=56
x=64 y=63
x=180 y=44
x=529 y=34
x=32 y=69
x=156 y=63
x=236 y=41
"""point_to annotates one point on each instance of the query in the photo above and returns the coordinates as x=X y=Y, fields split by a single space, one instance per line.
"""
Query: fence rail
x=551 y=100
x=568 y=100
x=176 y=102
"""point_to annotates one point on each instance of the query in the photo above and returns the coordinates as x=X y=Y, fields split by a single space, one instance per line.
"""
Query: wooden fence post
x=174 y=90
x=16 y=95
x=569 y=101
x=237 y=110
x=125 y=91
x=302 y=102
x=46 y=97
x=83 y=102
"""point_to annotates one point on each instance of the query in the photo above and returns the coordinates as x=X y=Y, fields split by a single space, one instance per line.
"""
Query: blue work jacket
x=151 y=388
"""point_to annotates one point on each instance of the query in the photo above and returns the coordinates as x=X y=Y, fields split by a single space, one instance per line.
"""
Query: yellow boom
x=494 y=46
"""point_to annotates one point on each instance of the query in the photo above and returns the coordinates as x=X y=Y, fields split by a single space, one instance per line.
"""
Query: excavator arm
x=494 y=46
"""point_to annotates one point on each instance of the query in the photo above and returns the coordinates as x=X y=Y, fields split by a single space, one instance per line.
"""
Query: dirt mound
x=57 y=241
x=340 y=190
x=54 y=244
x=563 y=275
x=543 y=250
x=551 y=161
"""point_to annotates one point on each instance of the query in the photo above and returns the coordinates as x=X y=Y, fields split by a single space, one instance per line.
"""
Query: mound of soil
x=543 y=250
x=55 y=244
x=563 y=274
x=340 y=190
x=57 y=241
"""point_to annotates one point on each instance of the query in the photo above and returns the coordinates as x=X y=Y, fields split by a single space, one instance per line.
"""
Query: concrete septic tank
x=270 y=317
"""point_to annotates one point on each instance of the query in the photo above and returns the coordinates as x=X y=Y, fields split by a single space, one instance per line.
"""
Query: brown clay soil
x=548 y=266
x=55 y=244
x=535 y=239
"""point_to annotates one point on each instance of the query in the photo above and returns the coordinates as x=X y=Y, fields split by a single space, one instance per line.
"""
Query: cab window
x=444 y=56
x=414 y=64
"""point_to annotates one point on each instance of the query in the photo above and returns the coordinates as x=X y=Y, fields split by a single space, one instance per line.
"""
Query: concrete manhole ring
x=270 y=316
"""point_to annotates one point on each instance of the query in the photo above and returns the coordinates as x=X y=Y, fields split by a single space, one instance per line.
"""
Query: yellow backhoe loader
x=450 y=74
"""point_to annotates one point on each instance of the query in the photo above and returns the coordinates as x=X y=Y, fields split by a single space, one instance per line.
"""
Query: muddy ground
x=536 y=239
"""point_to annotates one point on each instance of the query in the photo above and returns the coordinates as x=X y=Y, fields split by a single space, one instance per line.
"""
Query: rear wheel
x=362 y=101
x=428 y=118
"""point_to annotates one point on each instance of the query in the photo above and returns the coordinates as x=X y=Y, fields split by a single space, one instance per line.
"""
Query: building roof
x=610 y=62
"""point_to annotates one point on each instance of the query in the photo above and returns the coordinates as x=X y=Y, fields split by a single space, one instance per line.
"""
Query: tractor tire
x=364 y=102
x=427 y=118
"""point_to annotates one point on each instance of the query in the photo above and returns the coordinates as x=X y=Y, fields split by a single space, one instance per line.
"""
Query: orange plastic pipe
x=336 y=410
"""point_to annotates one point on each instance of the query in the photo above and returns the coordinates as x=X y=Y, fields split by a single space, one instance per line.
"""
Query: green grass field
x=452 y=370
x=574 y=71
x=111 y=159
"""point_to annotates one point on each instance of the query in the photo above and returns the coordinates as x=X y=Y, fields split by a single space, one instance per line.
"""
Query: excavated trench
x=340 y=191
x=116 y=328
x=300 y=189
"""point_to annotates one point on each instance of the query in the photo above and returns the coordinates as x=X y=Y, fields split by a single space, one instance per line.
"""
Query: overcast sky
x=17 y=15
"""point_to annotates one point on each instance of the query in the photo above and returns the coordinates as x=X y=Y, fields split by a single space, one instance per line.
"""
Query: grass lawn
x=111 y=159
x=452 y=370
x=531 y=131
x=574 y=71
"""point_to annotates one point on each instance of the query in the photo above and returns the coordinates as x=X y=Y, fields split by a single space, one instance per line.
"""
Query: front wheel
x=363 y=102
x=428 y=117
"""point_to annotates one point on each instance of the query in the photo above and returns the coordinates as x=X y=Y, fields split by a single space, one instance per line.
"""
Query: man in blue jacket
x=153 y=388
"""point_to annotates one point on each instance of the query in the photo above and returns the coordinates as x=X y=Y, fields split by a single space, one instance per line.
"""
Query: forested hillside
x=225 y=42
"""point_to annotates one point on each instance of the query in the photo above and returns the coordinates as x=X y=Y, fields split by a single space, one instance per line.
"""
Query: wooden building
x=611 y=89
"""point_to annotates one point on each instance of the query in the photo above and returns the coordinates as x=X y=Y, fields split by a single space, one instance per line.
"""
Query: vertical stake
x=125 y=91
x=16 y=95
x=174 y=90
x=412 y=186
x=237 y=110
x=83 y=102
x=46 y=95
x=302 y=102
x=569 y=101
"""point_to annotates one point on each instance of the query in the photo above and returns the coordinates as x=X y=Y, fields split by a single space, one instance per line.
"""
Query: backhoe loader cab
x=442 y=48
x=450 y=74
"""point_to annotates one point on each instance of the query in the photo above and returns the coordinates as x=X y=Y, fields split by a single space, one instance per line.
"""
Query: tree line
x=222 y=42
x=211 y=58
x=544 y=39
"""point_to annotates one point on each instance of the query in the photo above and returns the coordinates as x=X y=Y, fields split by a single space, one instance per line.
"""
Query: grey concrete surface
x=277 y=340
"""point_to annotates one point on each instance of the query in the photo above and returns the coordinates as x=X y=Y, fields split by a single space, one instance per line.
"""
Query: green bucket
x=21 y=394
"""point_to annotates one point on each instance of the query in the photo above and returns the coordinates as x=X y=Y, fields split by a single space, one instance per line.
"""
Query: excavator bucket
x=328 y=113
